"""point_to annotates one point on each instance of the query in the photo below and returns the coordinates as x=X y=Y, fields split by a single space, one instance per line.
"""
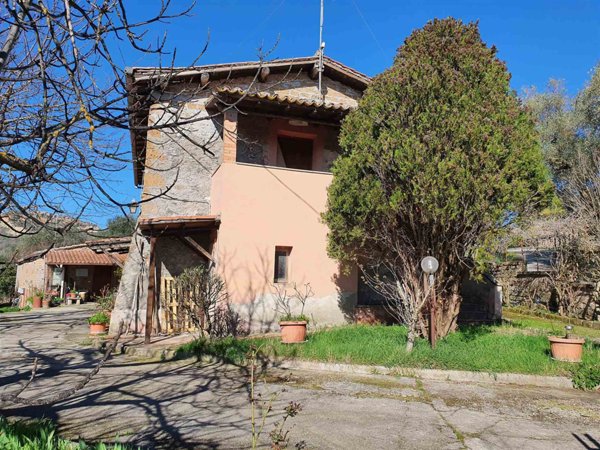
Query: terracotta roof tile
x=283 y=98
x=83 y=256
x=88 y=253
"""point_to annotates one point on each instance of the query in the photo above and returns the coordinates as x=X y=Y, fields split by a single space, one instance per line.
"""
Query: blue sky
x=538 y=39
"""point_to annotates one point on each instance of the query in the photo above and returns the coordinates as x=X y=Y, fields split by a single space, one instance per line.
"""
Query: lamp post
x=133 y=206
x=430 y=266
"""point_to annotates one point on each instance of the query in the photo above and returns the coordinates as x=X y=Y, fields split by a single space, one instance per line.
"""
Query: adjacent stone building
x=92 y=267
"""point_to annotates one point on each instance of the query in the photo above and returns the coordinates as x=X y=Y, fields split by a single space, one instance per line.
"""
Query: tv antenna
x=320 y=52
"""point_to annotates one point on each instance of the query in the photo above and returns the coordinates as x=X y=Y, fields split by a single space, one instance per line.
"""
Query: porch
x=176 y=243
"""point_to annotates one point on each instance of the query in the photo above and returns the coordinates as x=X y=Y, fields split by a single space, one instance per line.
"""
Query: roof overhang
x=140 y=79
x=99 y=252
x=178 y=225
x=278 y=105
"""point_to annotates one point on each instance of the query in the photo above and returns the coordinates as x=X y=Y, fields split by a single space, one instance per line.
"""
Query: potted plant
x=37 y=298
x=567 y=348
x=293 y=326
x=98 y=323
x=57 y=301
x=70 y=297
x=46 y=302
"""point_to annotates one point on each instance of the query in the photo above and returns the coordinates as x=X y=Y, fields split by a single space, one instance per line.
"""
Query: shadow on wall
x=253 y=294
x=346 y=282
x=130 y=304
x=255 y=305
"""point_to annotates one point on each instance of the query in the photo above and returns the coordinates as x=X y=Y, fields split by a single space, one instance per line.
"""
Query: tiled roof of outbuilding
x=90 y=253
x=83 y=256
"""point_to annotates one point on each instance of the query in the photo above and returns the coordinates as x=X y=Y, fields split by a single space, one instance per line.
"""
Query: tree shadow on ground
x=154 y=405
x=473 y=332
x=587 y=441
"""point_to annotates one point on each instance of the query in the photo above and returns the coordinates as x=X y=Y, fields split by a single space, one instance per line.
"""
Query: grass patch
x=490 y=349
x=480 y=349
x=554 y=327
x=41 y=435
x=229 y=350
x=11 y=309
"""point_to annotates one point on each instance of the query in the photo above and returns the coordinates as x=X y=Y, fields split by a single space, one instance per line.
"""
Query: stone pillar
x=230 y=121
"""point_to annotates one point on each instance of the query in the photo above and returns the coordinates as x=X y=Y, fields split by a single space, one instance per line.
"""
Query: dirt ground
x=185 y=404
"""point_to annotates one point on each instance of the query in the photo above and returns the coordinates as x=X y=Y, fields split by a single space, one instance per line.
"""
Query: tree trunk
x=448 y=308
x=410 y=341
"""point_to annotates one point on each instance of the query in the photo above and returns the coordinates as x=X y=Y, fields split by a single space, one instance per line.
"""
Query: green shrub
x=9 y=309
x=106 y=302
x=586 y=374
x=41 y=435
x=99 y=318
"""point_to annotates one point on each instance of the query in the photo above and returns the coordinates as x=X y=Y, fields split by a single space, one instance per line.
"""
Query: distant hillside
x=16 y=236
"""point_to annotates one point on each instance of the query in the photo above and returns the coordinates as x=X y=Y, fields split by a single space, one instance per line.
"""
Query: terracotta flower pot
x=46 y=303
x=97 y=328
x=566 y=349
x=293 y=332
x=37 y=302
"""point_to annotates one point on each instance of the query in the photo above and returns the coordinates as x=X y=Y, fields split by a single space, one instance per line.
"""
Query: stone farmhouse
x=92 y=267
x=242 y=189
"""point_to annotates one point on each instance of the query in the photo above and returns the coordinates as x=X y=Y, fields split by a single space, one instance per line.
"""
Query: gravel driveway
x=184 y=404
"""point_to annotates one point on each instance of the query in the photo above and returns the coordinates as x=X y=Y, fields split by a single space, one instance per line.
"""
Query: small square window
x=282 y=260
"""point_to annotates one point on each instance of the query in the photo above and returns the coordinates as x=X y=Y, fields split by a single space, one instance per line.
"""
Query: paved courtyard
x=184 y=404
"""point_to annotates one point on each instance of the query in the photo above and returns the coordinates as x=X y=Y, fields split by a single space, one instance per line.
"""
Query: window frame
x=287 y=251
x=309 y=137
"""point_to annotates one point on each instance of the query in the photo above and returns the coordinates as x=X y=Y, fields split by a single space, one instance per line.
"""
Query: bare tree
x=398 y=280
x=581 y=193
x=201 y=296
x=570 y=257
x=63 y=98
x=283 y=299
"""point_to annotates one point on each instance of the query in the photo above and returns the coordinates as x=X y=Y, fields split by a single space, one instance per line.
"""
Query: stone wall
x=533 y=290
x=253 y=133
x=30 y=276
x=130 y=303
x=177 y=172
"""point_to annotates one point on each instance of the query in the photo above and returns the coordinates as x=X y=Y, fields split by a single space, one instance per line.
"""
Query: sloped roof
x=282 y=98
x=90 y=253
x=142 y=76
x=332 y=68
x=83 y=256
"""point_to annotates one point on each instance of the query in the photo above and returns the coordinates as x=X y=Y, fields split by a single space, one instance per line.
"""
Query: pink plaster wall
x=262 y=207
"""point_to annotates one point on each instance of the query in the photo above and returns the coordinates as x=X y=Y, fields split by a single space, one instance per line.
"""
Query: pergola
x=180 y=227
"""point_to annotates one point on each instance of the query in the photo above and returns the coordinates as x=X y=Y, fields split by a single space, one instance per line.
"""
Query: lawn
x=517 y=348
x=482 y=349
x=555 y=327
